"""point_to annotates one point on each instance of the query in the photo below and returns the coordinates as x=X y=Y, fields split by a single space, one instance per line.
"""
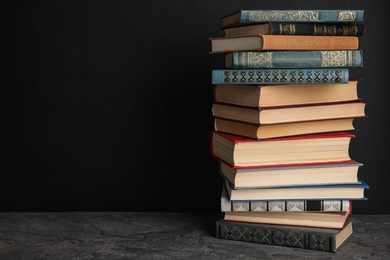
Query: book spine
x=284 y=205
x=346 y=16
x=317 y=29
x=309 y=42
x=280 y=76
x=297 y=59
x=275 y=236
x=293 y=205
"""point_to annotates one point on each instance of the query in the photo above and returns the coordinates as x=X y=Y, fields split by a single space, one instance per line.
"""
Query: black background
x=106 y=105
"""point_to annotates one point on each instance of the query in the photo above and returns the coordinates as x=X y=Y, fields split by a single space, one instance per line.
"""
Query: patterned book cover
x=297 y=28
x=280 y=76
x=284 y=205
x=321 y=239
x=295 y=59
x=256 y=16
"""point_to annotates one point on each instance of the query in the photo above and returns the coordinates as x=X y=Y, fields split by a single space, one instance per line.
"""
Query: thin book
x=243 y=16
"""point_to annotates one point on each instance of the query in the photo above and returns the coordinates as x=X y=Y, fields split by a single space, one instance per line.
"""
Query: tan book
x=259 y=132
x=290 y=114
x=241 y=152
x=282 y=42
x=284 y=95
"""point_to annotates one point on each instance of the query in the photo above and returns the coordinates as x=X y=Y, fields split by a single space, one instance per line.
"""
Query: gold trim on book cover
x=287 y=29
x=334 y=58
x=347 y=16
x=259 y=59
x=291 y=15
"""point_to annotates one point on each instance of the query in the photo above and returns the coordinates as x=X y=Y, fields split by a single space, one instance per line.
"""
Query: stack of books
x=284 y=110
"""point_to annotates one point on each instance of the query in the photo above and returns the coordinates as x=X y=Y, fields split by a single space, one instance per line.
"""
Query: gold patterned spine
x=334 y=58
x=284 y=16
x=347 y=16
x=259 y=59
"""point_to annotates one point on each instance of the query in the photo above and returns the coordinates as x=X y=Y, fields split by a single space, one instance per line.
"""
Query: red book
x=242 y=152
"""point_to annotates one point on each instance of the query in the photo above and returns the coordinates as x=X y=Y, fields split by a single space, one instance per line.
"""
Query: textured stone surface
x=142 y=235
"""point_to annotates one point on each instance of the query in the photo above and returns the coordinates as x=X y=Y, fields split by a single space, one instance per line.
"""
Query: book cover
x=243 y=16
x=304 y=192
x=303 y=150
x=282 y=205
x=290 y=114
x=260 y=132
x=263 y=42
x=321 y=239
x=280 y=76
x=285 y=94
x=295 y=59
x=297 y=28
x=290 y=176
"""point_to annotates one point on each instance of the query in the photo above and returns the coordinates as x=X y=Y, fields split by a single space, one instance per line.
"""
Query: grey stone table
x=143 y=235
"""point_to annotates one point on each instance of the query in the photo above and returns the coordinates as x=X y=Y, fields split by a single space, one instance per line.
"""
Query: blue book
x=295 y=59
x=260 y=16
x=280 y=76
x=304 y=192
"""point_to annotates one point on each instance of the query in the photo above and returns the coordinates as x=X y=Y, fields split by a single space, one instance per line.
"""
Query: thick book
x=242 y=152
x=290 y=114
x=260 y=132
x=288 y=176
x=285 y=94
x=311 y=238
x=297 y=28
x=263 y=42
x=243 y=16
x=294 y=59
x=349 y=191
x=280 y=76
x=282 y=205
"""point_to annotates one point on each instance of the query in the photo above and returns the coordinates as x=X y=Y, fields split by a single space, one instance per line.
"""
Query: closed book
x=285 y=94
x=242 y=152
x=243 y=16
x=294 y=59
x=288 y=176
x=297 y=28
x=282 y=205
x=311 y=238
x=266 y=131
x=280 y=76
x=353 y=191
x=320 y=219
x=290 y=114
x=265 y=42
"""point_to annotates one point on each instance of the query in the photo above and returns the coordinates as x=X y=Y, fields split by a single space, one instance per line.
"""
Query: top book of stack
x=242 y=17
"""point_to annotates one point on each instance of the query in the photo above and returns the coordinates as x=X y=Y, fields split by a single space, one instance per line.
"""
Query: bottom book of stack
x=322 y=239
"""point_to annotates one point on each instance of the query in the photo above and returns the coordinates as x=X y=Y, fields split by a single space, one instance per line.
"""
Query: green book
x=280 y=76
x=258 y=16
x=295 y=59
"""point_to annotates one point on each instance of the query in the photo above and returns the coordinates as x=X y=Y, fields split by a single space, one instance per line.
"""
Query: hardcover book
x=294 y=59
x=297 y=28
x=260 y=132
x=305 y=192
x=282 y=42
x=311 y=238
x=260 y=16
x=320 y=219
x=268 y=177
x=280 y=76
x=241 y=152
x=282 y=205
x=290 y=114
x=285 y=94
